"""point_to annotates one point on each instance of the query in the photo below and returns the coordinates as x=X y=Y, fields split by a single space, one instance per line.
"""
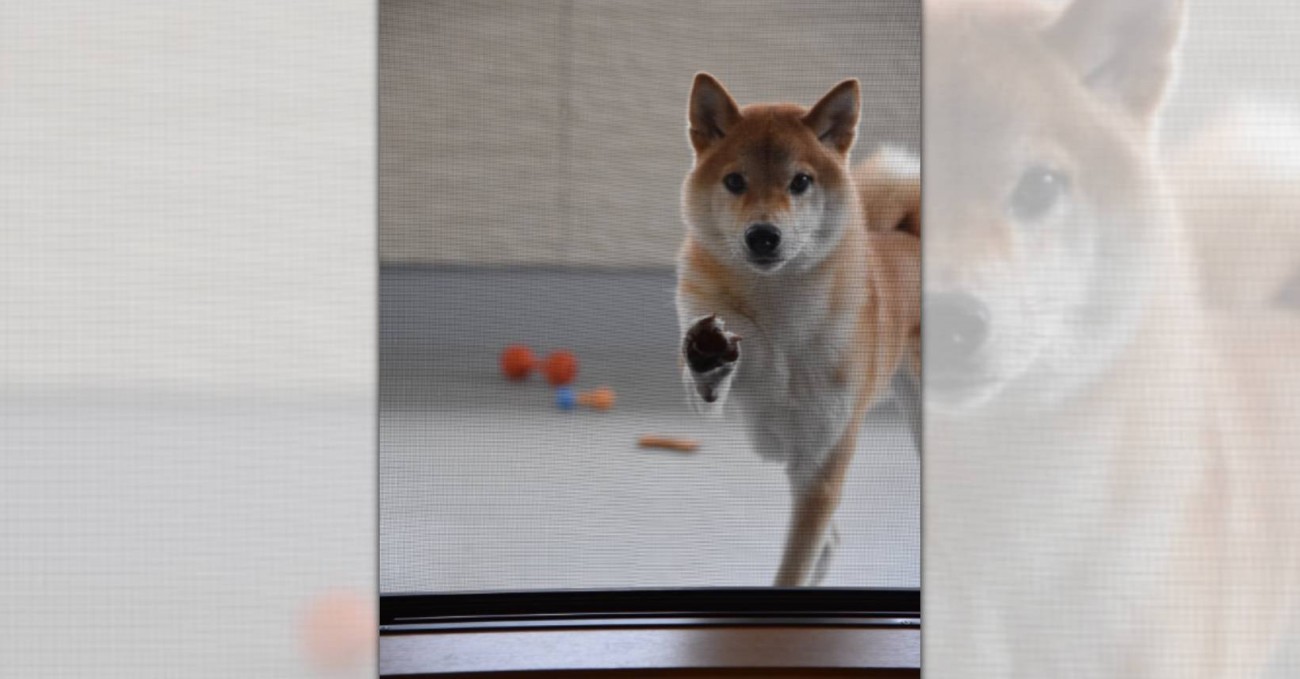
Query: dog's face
x=769 y=190
x=1042 y=197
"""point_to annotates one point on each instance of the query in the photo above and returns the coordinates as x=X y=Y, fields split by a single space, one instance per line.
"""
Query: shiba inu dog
x=798 y=288
x=1105 y=493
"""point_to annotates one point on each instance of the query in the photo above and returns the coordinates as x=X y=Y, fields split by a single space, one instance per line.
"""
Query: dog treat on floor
x=668 y=443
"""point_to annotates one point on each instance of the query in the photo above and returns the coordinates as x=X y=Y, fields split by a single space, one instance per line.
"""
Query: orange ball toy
x=560 y=367
x=517 y=361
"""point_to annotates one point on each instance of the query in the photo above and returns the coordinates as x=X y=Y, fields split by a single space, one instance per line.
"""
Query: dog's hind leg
x=907 y=396
x=817 y=495
x=824 y=559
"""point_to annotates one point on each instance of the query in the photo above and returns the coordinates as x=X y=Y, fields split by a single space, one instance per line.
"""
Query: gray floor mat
x=485 y=485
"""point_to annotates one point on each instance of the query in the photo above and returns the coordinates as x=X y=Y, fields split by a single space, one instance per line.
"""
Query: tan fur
x=866 y=287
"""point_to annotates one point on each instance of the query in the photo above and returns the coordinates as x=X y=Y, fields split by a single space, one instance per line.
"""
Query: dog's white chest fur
x=792 y=385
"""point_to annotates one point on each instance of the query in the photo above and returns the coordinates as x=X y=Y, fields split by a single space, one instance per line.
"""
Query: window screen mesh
x=531 y=162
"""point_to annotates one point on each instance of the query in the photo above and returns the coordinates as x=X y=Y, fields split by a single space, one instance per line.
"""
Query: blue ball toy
x=565 y=399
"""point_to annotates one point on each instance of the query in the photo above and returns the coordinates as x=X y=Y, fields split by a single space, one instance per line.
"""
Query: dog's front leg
x=711 y=356
x=816 y=496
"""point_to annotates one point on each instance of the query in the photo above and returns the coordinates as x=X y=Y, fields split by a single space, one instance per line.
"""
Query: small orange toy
x=600 y=399
x=517 y=362
x=560 y=367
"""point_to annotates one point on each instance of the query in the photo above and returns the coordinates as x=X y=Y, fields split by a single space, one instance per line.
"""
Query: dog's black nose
x=956 y=326
x=762 y=239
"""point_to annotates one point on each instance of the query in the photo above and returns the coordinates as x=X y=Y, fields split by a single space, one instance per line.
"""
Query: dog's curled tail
x=1237 y=181
x=889 y=186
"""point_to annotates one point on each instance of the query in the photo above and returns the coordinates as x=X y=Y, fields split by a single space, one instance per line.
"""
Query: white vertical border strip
x=187 y=345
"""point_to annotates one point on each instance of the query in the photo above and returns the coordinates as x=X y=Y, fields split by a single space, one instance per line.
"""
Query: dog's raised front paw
x=708 y=346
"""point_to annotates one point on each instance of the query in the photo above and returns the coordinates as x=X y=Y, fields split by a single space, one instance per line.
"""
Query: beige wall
x=553 y=132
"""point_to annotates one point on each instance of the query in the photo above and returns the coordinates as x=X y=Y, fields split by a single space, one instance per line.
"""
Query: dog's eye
x=1037 y=192
x=800 y=183
x=734 y=183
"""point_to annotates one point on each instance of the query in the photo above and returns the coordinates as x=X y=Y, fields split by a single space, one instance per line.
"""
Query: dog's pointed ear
x=834 y=119
x=1125 y=49
x=711 y=113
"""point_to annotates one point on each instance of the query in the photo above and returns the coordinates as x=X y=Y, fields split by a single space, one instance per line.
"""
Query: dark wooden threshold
x=669 y=652
x=697 y=674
